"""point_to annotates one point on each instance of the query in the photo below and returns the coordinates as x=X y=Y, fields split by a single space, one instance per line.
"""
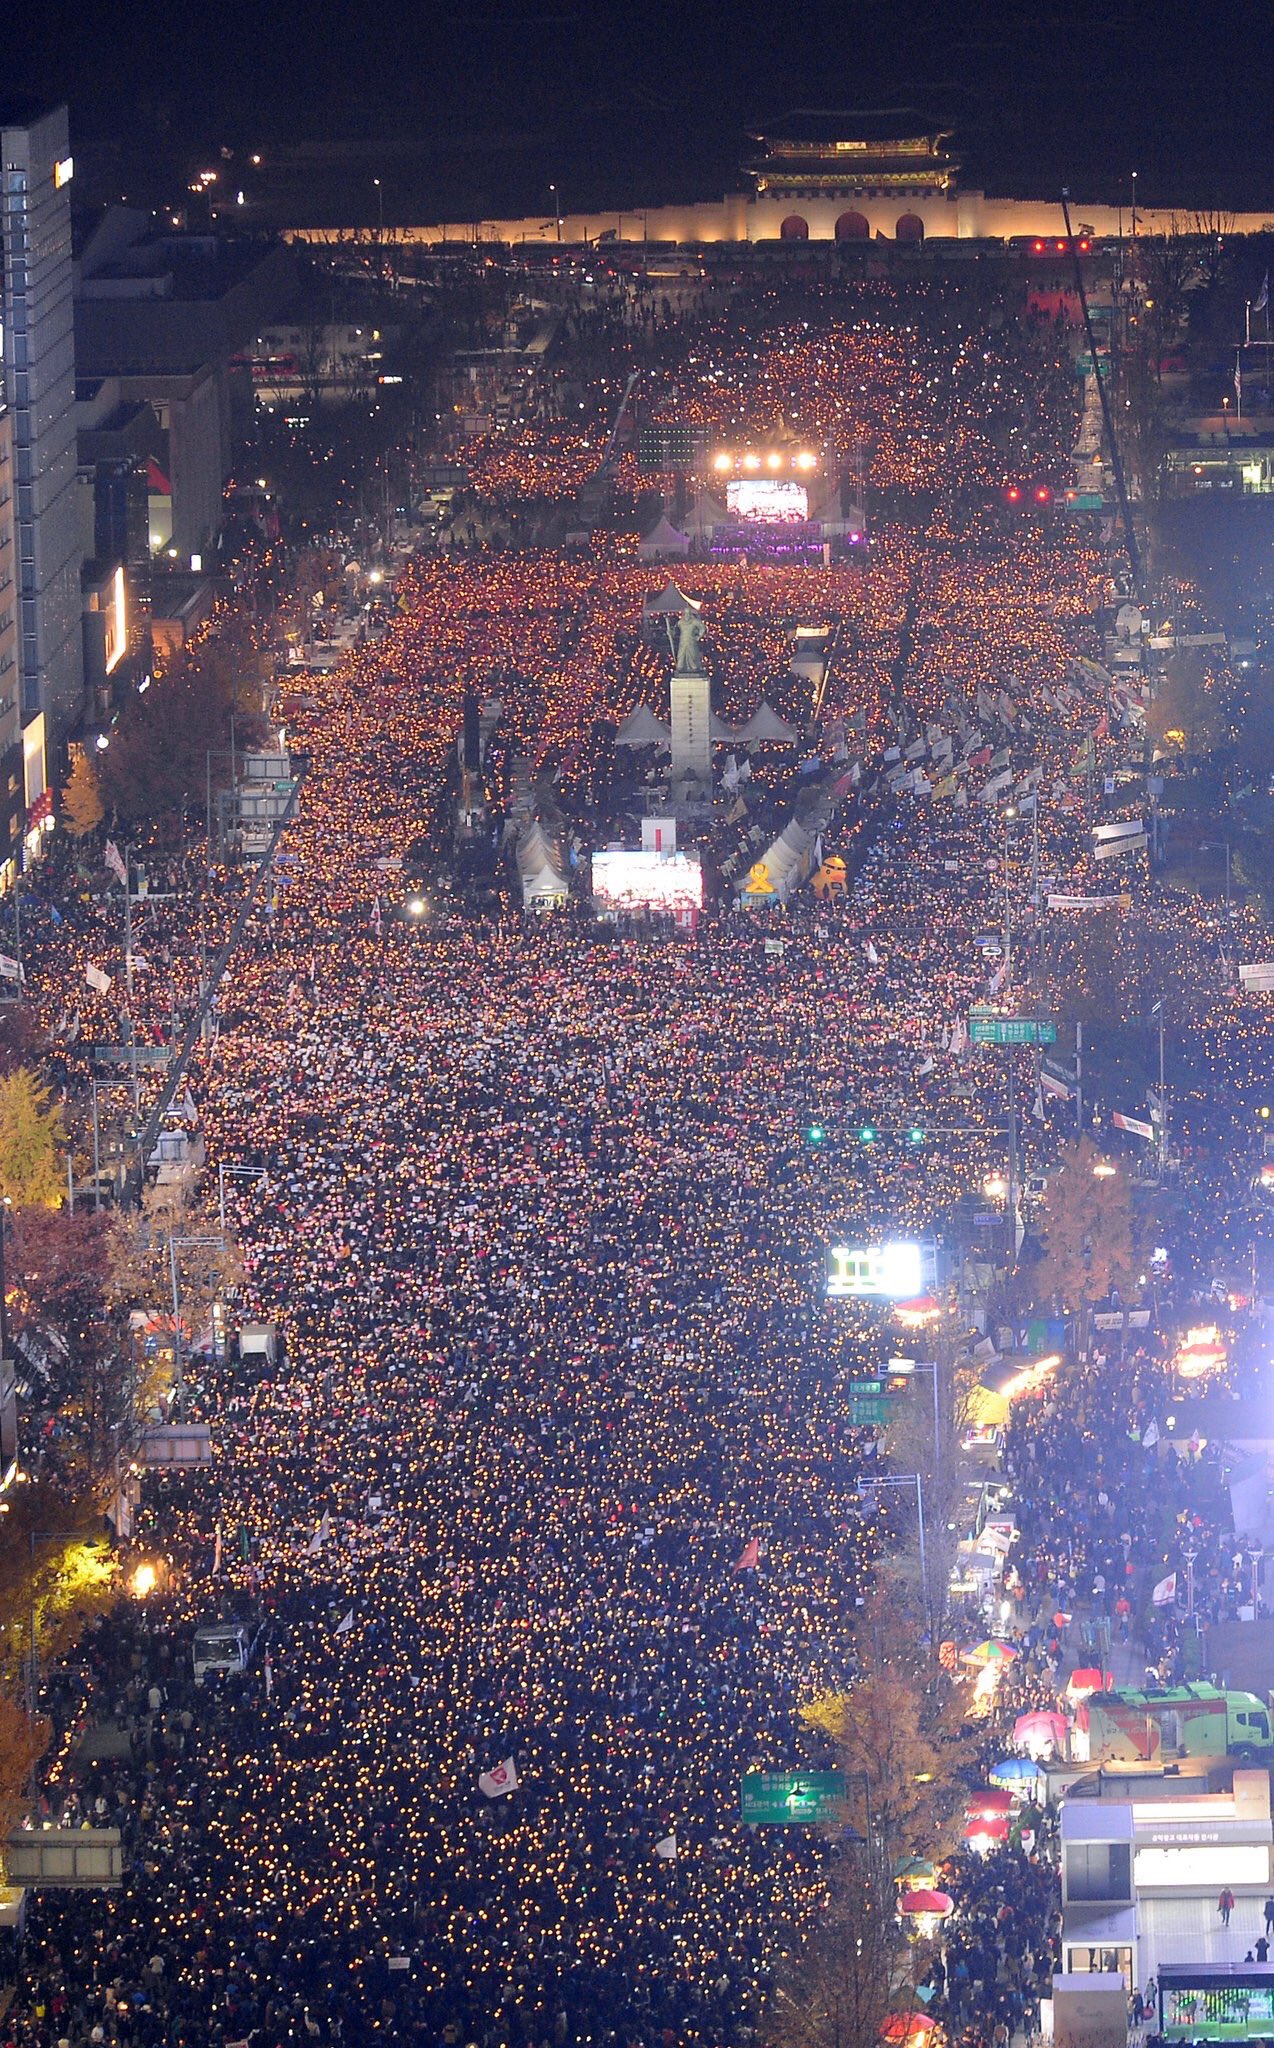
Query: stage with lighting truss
x=775 y=500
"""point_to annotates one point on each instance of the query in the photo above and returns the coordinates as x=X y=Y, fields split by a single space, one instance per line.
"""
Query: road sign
x=869 y=1411
x=1084 y=501
x=775 y=1799
x=124 y=1055
x=1084 y=366
x=1011 y=1031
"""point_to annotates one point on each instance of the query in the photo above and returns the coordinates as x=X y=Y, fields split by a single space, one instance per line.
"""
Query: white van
x=222 y=1646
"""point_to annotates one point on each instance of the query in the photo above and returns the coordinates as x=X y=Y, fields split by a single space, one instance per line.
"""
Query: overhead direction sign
x=792 y=1798
x=984 y=1030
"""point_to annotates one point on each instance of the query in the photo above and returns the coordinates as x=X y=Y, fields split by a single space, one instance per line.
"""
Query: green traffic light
x=816 y=1134
x=868 y=1134
x=915 y=1135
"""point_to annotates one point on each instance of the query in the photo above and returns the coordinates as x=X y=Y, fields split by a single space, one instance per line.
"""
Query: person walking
x=1225 y=1906
x=1269 y=1914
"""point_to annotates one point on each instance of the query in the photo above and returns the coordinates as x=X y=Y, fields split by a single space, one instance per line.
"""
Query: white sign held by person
x=504 y=1778
x=667 y=1848
x=1165 y=1592
x=11 y=969
x=1259 y=975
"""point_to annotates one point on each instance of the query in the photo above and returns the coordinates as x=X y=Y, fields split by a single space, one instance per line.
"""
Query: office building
x=39 y=372
x=12 y=788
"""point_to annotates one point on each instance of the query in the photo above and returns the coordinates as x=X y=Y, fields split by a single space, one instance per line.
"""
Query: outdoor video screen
x=1221 y=2012
x=893 y=1270
x=770 y=498
x=627 y=880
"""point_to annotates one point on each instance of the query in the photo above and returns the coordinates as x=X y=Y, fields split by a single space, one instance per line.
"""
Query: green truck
x=1182 y=1720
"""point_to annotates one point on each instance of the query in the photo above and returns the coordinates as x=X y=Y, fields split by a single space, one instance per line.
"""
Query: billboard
x=895 y=1271
x=626 y=879
x=773 y=499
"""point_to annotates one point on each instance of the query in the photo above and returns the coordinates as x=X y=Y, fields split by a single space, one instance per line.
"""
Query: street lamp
x=380 y=206
x=557 y=211
x=239 y=1173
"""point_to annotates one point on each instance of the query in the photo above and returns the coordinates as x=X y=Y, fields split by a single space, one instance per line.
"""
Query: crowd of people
x=547 y=1519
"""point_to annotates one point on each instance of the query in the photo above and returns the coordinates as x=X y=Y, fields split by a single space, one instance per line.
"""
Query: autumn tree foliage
x=838 y=1992
x=57 y=1266
x=32 y=1141
x=82 y=807
x=896 y=1774
x=1086 y=1226
x=157 y=761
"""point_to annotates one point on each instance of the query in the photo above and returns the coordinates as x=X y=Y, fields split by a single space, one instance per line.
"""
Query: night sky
x=473 y=111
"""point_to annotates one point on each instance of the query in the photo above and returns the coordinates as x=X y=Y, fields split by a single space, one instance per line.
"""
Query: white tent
x=835 y=516
x=642 y=729
x=704 y=517
x=542 y=868
x=662 y=542
x=791 y=858
x=765 y=724
x=669 y=601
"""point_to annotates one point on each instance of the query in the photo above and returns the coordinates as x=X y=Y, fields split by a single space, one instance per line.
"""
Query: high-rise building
x=39 y=375
x=12 y=780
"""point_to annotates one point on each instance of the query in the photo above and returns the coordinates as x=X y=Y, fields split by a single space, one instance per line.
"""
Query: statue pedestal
x=691 y=729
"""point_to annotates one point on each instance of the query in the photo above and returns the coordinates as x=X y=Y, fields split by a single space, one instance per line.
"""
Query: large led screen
x=628 y=880
x=769 y=498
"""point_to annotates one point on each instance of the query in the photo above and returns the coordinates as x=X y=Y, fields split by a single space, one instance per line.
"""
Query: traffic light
x=816 y=1134
x=867 y=1134
x=915 y=1135
x=1012 y=494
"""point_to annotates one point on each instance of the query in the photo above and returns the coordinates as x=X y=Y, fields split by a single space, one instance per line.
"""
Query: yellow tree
x=1086 y=1226
x=32 y=1165
x=896 y=1778
x=82 y=807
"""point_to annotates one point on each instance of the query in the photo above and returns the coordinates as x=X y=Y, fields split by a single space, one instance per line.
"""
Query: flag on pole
x=343 y=1627
x=115 y=861
x=1262 y=299
x=1151 y=1437
x=269 y=1675
x=873 y=956
x=1165 y=1592
x=97 y=978
x=376 y=917
x=750 y=1556
x=667 y=1848
x=216 y=1552
x=504 y=1778
x=321 y=1534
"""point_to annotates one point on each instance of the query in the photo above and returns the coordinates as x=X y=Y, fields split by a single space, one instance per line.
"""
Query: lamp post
x=557 y=211
x=238 y=1173
x=1189 y=1552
